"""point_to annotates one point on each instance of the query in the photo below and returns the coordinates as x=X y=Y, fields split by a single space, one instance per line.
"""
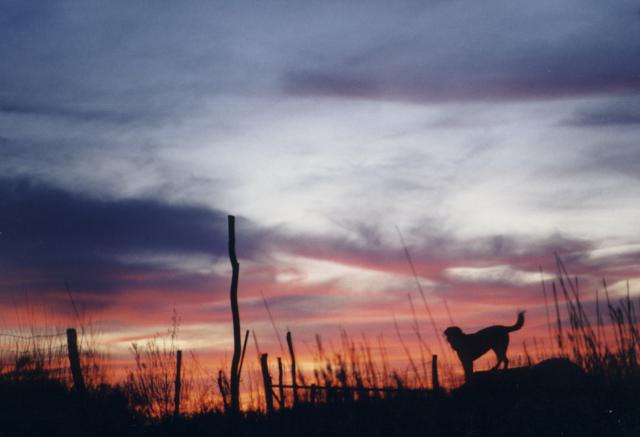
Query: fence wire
x=23 y=356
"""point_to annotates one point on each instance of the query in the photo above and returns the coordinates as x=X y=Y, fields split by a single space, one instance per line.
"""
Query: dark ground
x=520 y=402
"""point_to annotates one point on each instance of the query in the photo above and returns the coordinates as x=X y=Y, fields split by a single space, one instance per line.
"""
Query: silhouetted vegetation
x=590 y=388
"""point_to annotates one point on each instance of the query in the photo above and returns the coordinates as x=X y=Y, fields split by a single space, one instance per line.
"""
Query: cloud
x=52 y=216
x=614 y=161
x=143 y=247
x=487 y=52
x=48 y=235
x=612 y=117
x=621 y=251
x=98 y=63
x=619 y=112
x=130 y=261
x=101 y=62
x=74 y=113
x=494 y=274
x=144 y=128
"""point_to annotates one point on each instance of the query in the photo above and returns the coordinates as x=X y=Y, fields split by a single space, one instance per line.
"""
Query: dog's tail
x=519 y=322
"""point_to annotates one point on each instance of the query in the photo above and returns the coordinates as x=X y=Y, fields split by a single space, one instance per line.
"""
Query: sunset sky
x=492 y=134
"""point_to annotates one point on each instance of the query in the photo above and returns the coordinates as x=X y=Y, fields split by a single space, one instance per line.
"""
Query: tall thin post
x=294 y=382
x=280 y=383
x=176 y=399
x=435 y=382
x=268 y=386
x=235 y=361
x=74 y=360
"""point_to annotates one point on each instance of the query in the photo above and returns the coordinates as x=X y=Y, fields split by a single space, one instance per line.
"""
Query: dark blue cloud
x=49 y=216
x=48 y=235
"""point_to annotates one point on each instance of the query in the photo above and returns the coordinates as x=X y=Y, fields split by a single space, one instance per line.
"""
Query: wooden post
x=435 y=382
x=74 y=360
x=268 y=386
x=280 y=383
x=313 y=393
x=176 y=401
x=294 y=382
x=235 y=361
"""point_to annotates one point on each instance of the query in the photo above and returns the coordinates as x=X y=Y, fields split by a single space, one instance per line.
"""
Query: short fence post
x=74 y=360
x=280 y=383
x=294 y=382
x=176 y=406
x=313 y=393
x=435 y=383
x=268 y=387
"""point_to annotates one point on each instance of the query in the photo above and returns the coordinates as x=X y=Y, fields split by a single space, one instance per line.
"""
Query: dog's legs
x=467 y=365
x=500 y=350
x=497 y=364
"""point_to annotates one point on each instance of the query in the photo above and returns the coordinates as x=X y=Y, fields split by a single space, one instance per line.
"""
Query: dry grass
x=590 y=343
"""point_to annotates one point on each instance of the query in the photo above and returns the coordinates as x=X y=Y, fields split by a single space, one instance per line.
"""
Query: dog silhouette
x=470 y=347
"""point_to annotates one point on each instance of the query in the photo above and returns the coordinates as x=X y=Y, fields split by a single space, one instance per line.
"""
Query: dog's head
x=454 y=335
